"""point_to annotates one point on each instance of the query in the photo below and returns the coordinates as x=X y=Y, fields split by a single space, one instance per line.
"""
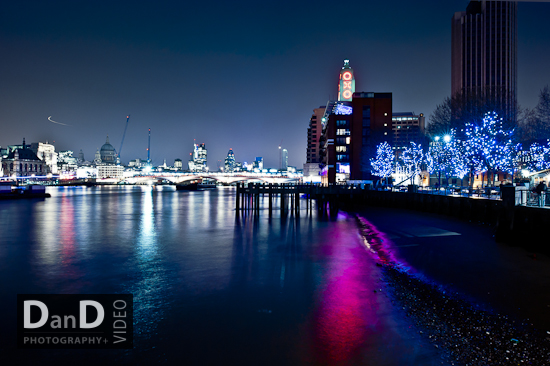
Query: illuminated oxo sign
x=346 y=88
x=346 y=77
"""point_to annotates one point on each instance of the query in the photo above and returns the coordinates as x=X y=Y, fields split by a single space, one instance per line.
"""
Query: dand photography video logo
x=75 y=321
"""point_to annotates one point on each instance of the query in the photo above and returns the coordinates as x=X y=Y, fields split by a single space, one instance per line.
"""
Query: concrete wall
x=528 y=227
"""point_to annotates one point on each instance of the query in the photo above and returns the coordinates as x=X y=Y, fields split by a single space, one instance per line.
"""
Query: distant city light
x=447 y=138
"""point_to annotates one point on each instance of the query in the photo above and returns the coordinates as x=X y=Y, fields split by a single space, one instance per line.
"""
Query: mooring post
x=270 y=197
x=237 y=206
x=282 y=194
x=257 y=203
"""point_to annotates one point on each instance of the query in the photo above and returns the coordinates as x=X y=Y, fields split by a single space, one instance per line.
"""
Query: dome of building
x=108 y=153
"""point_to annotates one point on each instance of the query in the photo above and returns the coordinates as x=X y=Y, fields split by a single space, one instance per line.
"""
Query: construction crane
x=123 y=135
x=280 y=156
x=149 y=149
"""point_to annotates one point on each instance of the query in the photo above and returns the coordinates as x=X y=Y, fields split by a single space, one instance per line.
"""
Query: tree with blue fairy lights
x=489 y=147
x=413 y=158
x=383 y=165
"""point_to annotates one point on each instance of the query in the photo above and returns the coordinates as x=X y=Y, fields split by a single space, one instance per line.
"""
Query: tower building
x=346 y=85
x=284 y=159
x=484 y=52
x=198 y=161
x=229 y=164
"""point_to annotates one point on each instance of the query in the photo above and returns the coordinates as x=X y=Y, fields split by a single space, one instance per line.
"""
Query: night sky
x=232 y=74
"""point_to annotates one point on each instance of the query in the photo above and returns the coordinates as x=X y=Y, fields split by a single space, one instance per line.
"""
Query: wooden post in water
x=297 y=200
x=237 y=202
x=282 y=194
x=270 y=197
x=257 y=198
x=242 y=196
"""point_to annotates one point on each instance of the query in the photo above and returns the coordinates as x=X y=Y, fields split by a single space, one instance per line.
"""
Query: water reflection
x=150 y=285
x=256 y=288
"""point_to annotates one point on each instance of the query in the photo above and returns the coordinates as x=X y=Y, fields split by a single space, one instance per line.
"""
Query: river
x=210 y=286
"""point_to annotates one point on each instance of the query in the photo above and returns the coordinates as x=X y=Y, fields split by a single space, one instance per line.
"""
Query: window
x=342 y=168
x=342 y=132
x=348 y=140
x=341 y=123
x=366 y=111
x=341 y=149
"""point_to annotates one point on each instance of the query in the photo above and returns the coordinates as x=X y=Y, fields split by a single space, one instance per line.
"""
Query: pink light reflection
x=347 y=312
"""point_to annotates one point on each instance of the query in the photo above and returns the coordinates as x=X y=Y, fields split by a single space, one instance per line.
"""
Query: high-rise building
x=407 y=127
x=229 y=165
x=80 y=159
x=198 y=161
x=484 y=52
x=284 y=159
x=178 y=164
x=259 y=162
x=350 y=134
x=313 y=133
x=346 y=85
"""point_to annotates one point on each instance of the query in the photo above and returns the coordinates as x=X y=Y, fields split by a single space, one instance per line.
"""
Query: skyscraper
x=284 y=160
x=313 y=133
x=198 y=162
x=484 y=52
x=229 y=164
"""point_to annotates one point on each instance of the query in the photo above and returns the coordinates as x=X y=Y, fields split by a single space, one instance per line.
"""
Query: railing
x=486 y=192
x=532 y=199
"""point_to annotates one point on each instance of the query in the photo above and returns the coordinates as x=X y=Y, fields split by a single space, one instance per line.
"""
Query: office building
x=258 y=163
x=484 y=52
x=284 y=159
x=198 y=161
x=313 y=134
x=350 y=135
x=105 y=171
x=407 y=127
x=229 y=164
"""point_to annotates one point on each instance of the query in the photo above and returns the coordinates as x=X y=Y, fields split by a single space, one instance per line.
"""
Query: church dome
x=108 y=153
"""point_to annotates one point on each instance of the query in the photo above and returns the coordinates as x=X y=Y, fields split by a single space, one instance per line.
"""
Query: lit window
x=342 y=131
x=348 y=140
x=385 y=125
x=341 y=149
x=385 y=133
x=385 y=114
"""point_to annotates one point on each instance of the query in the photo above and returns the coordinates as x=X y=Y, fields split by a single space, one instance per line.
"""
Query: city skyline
x=242 y=76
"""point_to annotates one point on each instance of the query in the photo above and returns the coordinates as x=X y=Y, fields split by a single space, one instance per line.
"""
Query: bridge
x=223 y=178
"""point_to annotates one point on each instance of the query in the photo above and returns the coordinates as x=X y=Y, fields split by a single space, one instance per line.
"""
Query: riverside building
x=484 y=52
